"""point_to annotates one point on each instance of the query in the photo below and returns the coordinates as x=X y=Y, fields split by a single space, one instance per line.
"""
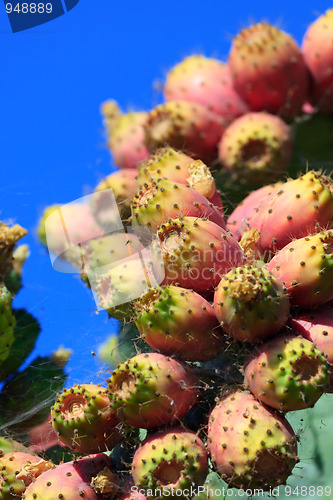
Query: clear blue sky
x=53 y=80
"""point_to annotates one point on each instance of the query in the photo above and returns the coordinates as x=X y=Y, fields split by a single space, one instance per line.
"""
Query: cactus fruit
x=237 y=220
x=288 y=373
x=7 y=323
x=318 y=58
x=124 y=187
x=196 y=253
x=317 y=326
x=268 y=70
x=12 y=482
x=256 y=147
x=306 y=268
x=89 y=477
x=184 y=125
x=250 y=445
x=161 y=200
x=178 y=167
x=205 y=81
x=177 y=321
x=126 y=135
x=300 y=207
x=175 y=459
x=84 y=421
x=150 y=390
x=251 y=303
x=63 y=228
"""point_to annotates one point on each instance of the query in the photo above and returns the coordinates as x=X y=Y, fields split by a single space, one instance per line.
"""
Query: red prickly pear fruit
x=124 y=187
x=205 y=81
x=89 y=477
x=151 y=390
x=173 y=459
x=237 y=220
x=196 y=253
x=318 y=57
x=12 y=482
x=126 y=135
x=178 y=167
x=287 y=373
x=161 y=200
x=300 y=207
x=250 y=445
x=68 y=227
x=317 y=326
x=177 y=321
x=306 y=268
x=256 y=147
x=187 y=126
x=251 y=303
x=84 y=421
x=268 y=70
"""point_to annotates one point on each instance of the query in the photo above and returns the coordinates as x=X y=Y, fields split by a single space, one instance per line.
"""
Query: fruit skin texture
x=178 y=167
x=87 y=478
x=10 y=466
x=187 y=126
x=175 y=458
x=205 y=81
x=251 y=303
x=126 y=135
x=237 y=220
x=179 y=322
x=300 y=207
x=318 y=57
x=196 y=253
x=268 y=70
x=150 y=390
x=7 y=323
x=124 y=187
x=84 y=421
x=306 y=268
x=250 y=445
x=256 y=147
x=288 y=373
x=161 y=200
x=317 y=327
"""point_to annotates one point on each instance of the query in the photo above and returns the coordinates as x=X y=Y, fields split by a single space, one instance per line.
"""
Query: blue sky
x=53 y=80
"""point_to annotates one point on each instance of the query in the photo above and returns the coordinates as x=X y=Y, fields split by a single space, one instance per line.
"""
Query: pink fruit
x=196 y=253
x=306 y=268
x=256 y=147
x=161 y=200
x=250 y=445
x=237 y=220
x=89 y=477
x=317 y=327
x=187 y=126
x=300 y=207
x=126 y=135
x=204 y=81
x=268 y=70
x=179 y=322
x=151 y=390
x=318 y=56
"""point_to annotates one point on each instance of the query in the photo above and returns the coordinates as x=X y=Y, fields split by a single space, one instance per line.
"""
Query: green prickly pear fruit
x=288 y=373
x=84 y=421
x=173 y=459
x=7 y=323
x=251 y=303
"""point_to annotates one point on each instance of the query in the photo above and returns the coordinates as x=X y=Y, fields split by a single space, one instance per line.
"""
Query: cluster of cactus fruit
x=239 y=329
